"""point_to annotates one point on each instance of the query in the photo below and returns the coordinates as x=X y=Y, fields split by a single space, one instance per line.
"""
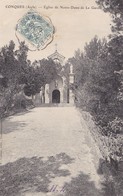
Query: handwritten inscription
x=58 y=189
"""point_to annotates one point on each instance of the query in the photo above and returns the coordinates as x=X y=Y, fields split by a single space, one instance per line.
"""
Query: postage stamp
x=37 y=29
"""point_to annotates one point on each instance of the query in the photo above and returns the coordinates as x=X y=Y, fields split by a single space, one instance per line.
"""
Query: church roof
x=56 y=55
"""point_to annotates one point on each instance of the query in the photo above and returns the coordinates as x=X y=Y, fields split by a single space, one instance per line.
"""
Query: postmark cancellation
x=36 y=29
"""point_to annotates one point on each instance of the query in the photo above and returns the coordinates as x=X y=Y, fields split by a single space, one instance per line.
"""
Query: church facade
x=58 y=91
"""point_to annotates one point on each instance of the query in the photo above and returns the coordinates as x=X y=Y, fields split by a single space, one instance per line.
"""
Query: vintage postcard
x=61 y=98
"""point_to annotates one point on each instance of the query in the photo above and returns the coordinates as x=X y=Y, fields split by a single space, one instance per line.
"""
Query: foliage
x=96 y=84
x=115 y=8
x=116 y=126
x=21 y=102
x=41 y=73
x=97 y=87
x=18 y=71
x=48 y=70
x=112 y=134
x=11 y=68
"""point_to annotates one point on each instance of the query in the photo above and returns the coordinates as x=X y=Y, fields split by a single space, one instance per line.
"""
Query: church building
x=59 y=91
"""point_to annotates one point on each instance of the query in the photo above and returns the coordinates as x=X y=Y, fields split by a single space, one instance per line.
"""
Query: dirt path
x=49 y=151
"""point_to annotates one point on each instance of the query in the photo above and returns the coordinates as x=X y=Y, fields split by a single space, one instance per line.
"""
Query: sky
x=73 y=27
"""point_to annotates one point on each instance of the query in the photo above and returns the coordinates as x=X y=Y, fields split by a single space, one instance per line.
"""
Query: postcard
x=57 y=112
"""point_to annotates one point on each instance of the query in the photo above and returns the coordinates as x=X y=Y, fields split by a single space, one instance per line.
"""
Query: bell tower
x=57 y=57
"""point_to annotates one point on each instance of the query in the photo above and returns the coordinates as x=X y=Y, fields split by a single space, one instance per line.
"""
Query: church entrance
x=56 y=96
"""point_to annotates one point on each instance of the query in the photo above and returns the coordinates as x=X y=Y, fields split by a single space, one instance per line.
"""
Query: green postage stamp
x=36 y=29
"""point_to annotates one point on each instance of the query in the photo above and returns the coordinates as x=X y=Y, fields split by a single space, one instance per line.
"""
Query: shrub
x=116 y=126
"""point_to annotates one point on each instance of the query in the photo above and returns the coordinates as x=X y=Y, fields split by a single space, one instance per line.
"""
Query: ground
x=49 y=151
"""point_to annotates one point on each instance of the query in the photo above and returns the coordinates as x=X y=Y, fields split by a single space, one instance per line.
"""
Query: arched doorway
x=56 y=96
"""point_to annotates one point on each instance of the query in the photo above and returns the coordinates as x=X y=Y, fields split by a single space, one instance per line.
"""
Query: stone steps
x=55 y=105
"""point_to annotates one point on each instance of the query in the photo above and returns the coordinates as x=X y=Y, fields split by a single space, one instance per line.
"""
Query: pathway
x=49 y=151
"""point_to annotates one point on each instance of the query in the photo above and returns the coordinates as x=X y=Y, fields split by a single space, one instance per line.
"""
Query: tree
x=13 y=65
x=96 y=83
x=48 y=70
x=41 y=73
x=115 y=8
